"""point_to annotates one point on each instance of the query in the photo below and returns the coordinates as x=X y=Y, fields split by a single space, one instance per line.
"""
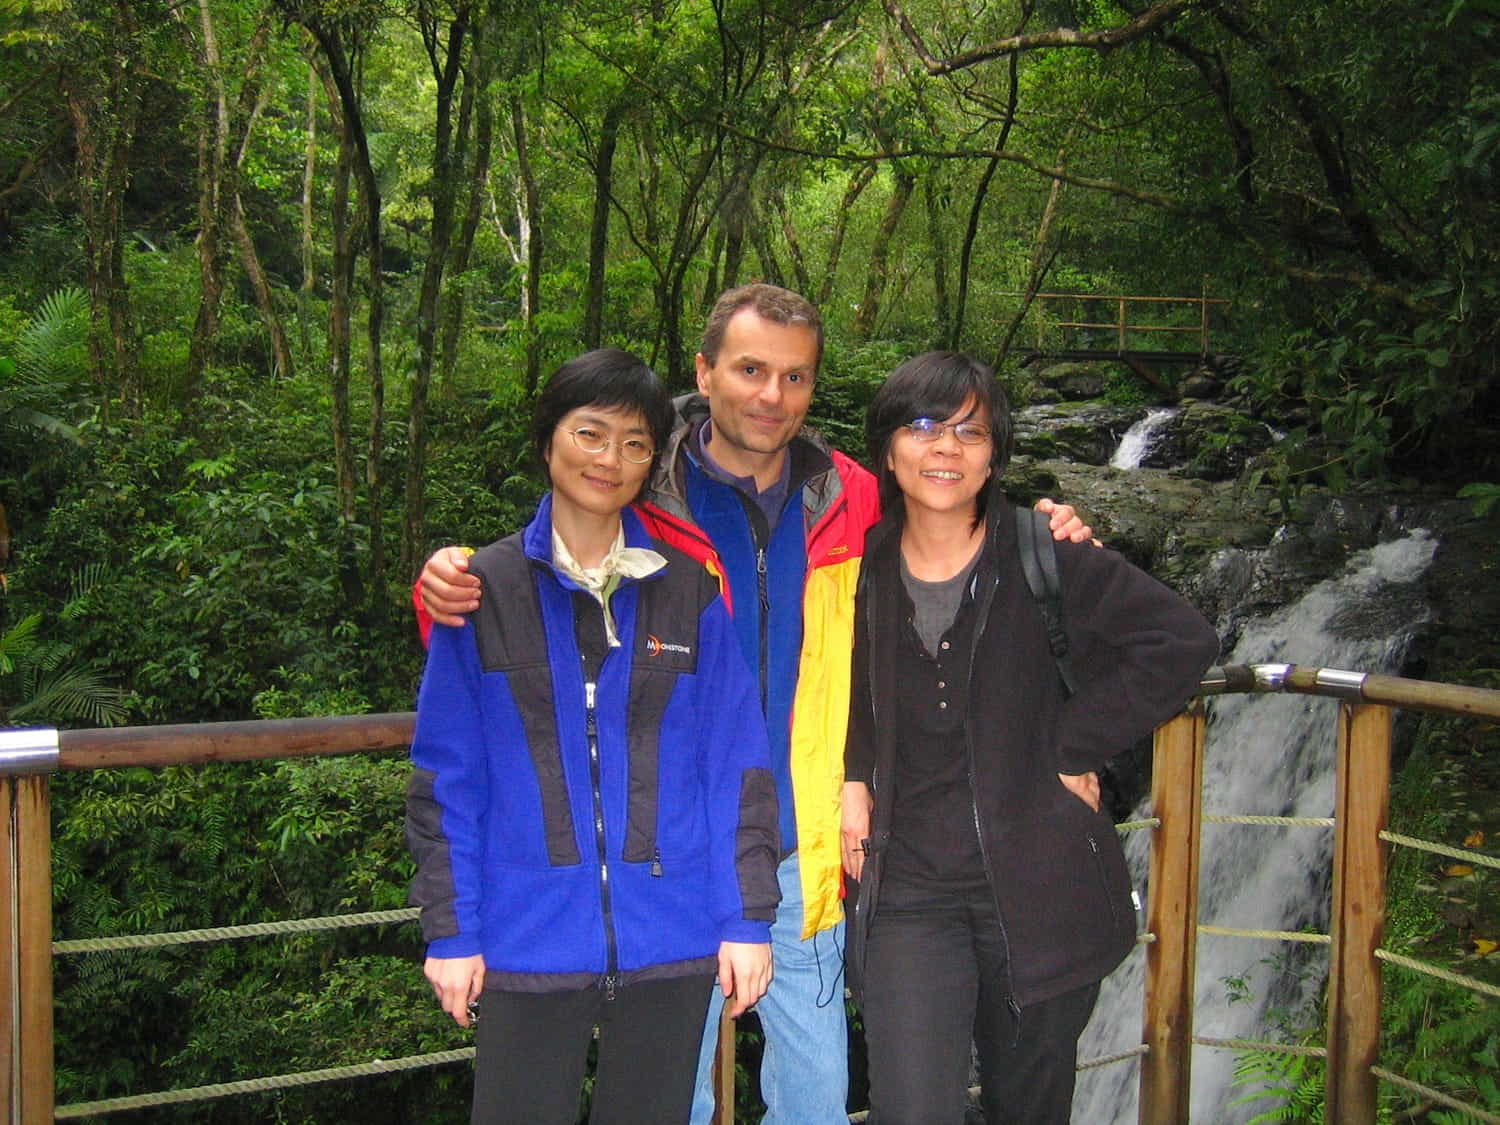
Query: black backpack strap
x=1039 y=565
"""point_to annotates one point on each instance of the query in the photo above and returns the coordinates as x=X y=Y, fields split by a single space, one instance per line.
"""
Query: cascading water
x=1139 y=438
x=1269 y=756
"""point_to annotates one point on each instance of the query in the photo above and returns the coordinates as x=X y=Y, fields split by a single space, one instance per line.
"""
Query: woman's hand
x=1084 y=786
x=744 y=974
x=448 y=589
x=457 y=981
x=855 y=829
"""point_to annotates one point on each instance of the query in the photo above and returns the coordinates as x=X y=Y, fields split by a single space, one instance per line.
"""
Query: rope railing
x=230 y=933
x=261 y=1085
x=1377 y=691
x=24 y=762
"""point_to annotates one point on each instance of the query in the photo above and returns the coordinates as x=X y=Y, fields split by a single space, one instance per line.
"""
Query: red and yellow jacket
x=804 y=657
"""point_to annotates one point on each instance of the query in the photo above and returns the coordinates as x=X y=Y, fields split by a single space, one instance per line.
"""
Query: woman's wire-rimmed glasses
x=635 y=450
x=930 y=429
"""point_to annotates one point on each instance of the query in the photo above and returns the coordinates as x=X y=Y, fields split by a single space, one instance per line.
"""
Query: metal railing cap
x=28 y=750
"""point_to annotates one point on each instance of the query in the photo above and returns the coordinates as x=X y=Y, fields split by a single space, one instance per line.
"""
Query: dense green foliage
x=278 y=277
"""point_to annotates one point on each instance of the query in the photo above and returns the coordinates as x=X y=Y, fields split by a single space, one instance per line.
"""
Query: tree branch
x=1105 y=40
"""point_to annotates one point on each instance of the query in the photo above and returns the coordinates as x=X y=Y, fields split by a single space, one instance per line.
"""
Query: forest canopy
x=279 y=277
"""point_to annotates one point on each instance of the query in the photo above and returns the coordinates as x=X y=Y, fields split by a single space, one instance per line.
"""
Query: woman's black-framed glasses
x=635 y=450
x=930 y=429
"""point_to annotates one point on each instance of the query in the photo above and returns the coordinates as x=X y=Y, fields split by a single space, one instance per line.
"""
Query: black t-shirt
x=933 y=834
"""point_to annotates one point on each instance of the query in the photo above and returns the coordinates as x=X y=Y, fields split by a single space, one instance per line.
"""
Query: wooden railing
x=1132 y=317
x=29 y=758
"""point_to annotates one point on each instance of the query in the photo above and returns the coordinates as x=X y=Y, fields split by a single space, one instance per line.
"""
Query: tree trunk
x=760 y=238
x=879 y=275
x=604 y=170
x=340 y=316
x=793 y=243
x=857 y=184
x=733 y=216
x=938 y=242
x=447 y=68
x=463 y=245
x=265 y=299
x=1041 y=262
x=341 y=71
x=213 y=150
x=976 y=208
x=309 y=173
x=533 y=247
x=102 y=178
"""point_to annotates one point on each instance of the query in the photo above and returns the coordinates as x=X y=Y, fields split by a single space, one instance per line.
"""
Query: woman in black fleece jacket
x=993 y=894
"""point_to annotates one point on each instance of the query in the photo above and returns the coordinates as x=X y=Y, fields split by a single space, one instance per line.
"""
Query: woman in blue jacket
x=591 y=808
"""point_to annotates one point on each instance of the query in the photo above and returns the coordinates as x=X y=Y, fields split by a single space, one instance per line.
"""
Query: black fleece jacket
x=1055 y=866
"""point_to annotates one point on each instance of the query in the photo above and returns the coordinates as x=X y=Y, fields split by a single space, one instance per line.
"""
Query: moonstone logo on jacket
x=655 y=646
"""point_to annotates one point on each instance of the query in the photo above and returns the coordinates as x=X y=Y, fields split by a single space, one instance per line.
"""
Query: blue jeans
x=804 y=1069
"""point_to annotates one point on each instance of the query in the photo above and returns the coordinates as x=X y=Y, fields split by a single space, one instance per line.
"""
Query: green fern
x=52 y=349
x=17 y=642
x=1295 y=1081
x=38 y=386
x=42 y=681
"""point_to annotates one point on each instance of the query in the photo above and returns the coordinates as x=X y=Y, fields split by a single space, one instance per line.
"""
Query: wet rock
x=1217 y=441
x=1201 y=385
x=1086 y=432
x=1066 y=382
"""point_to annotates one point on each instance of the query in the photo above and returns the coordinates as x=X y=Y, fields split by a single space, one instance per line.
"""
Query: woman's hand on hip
x=1084 y=786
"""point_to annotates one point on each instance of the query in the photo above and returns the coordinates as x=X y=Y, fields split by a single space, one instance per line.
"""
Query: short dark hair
x=935 y=385
x=602 y=377
x=772 y=302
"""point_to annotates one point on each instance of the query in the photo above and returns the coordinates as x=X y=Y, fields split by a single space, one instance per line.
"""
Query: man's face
x=758 y=389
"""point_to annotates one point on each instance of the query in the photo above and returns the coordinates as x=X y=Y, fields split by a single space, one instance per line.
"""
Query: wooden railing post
x=1361 y=810
x=724 y=1071
x=26 y=760
x=1172 y=916
x=10 y=1073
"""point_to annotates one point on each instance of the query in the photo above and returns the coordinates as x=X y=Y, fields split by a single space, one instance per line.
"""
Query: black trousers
x=935 y=977
x=531 y=1050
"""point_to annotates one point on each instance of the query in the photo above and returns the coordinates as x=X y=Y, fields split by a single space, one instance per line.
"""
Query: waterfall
x=1138 y=439
x=1272 y=756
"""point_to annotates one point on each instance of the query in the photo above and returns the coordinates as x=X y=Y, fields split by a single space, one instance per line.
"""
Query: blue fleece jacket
x=571 y=843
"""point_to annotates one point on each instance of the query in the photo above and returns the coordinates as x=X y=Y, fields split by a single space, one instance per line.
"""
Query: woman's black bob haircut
x=602 y=377
x=936 y=385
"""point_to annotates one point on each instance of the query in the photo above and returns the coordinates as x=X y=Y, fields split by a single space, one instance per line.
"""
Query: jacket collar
x=536 y=538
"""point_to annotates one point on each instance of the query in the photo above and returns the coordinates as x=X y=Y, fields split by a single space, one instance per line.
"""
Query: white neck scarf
x=601 y=581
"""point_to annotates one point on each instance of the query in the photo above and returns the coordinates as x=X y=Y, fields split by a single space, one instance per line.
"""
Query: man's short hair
x=778 y=305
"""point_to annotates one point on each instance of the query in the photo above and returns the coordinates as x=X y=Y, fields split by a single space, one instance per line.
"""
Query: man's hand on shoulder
x=447 y=588
x=1065 y=523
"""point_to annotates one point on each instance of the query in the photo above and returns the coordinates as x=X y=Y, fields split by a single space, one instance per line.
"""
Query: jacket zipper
x=762 y=585
x=980 y=621
x=1114 y=914
x=612 y=958
x=760 y=538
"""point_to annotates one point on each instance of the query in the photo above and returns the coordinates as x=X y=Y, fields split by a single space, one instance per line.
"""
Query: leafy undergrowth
x=1445 y=912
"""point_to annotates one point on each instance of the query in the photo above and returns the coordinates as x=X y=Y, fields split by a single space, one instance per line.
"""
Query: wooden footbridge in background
x=1103 y=326
x=1365 y=705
